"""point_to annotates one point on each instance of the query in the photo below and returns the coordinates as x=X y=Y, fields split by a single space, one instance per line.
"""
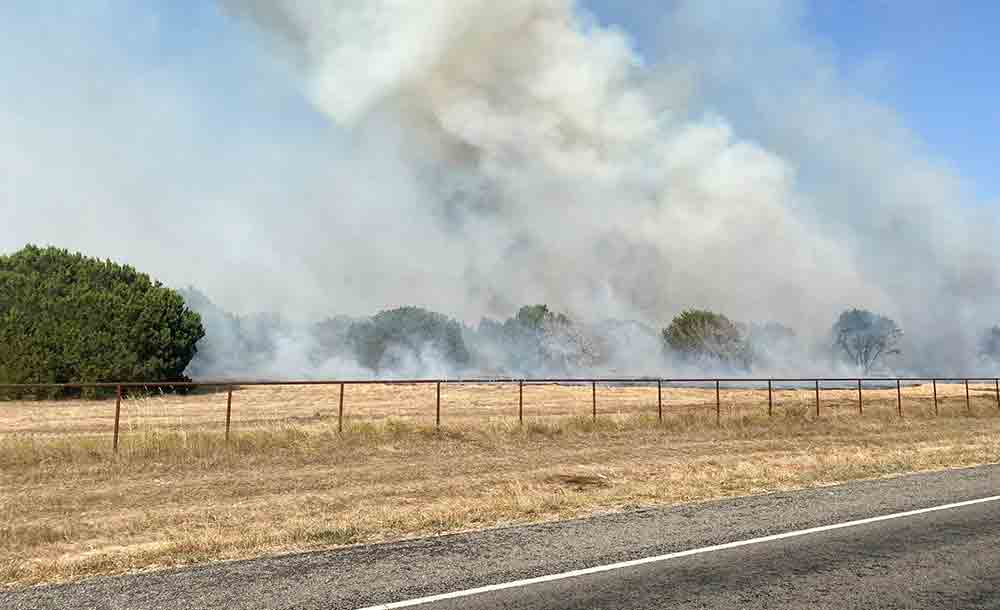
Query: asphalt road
x=944 y=559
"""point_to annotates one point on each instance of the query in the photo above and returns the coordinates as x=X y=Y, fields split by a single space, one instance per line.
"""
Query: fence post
x=861 y=402
x=817 y=398
x=718 y=405
x=340 y=411
x=968 y=401
x=229 y=410
x=593 y=389
x=437 y=412
x=934 y=383
x=997 y=381
x=770 y=398
x=520 y=402
x=659 y=400
x=899 y=397
x=118 y=411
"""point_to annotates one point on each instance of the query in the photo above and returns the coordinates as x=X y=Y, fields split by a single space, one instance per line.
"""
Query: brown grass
x=177 y=494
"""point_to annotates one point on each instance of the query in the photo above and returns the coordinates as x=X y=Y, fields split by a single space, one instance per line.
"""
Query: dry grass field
x=177 y=493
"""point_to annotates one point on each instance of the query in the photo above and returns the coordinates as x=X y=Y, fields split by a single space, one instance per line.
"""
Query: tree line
x=66 y=318
x=859 y=337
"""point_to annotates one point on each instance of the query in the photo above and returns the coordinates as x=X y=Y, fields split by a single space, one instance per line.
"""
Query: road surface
x=946 y=558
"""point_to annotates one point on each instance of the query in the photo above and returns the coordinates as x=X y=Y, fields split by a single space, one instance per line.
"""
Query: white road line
x=638 y=562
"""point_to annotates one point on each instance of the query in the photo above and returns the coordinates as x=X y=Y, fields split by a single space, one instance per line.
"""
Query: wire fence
x=771 y=385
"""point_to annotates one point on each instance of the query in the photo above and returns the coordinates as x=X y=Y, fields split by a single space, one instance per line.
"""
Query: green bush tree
x=704 y=336
x=384 y=341
x=67 y=318
x=538 y=340
x=537 y=317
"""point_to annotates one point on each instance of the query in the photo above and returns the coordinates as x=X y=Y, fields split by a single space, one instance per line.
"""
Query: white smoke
x=558 y=171
x=484 y=155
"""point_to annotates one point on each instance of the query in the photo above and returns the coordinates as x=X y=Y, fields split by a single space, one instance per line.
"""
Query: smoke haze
x=471 y=156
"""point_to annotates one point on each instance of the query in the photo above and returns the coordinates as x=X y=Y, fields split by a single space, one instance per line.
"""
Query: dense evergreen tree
x=68 y=318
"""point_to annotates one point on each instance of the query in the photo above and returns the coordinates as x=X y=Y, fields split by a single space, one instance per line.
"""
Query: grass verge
x=69 y=508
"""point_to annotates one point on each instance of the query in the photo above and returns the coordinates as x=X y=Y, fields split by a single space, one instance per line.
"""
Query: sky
x=933 y=62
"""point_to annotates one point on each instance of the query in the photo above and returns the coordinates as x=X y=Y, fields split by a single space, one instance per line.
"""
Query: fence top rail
x=224 y=383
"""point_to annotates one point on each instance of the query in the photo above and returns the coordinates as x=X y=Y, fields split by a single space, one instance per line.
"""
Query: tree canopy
x=864 y=338
x=537 y=317
x=68 y=318
x=706 y=336
x=390 y=338
x=537 y=339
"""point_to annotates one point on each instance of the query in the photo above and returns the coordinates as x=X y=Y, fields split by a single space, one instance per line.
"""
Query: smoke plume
x=483 y=155
x=560 y=168
x=555 y=173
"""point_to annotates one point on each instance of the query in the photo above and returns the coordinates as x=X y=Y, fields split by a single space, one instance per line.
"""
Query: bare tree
x=865 y=338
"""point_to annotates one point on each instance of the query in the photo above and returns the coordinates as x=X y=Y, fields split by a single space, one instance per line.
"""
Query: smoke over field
x=544 y=163
x=536 y=157
x=488 y=155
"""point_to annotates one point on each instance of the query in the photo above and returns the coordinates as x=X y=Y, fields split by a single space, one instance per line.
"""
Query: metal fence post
x=659 y=400
x=770 y=398
x=437 y=412
x=718 y=405
x=593 y=389
x=899 y=397
x=934 y=383
x=340 y=411
x=520 y=402
x=229 y=410
x=118 y=411
x=968 y=401
x=817 y=398
x=861 y=402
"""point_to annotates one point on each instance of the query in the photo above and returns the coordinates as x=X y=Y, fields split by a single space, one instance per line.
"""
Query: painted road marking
x=647 y=560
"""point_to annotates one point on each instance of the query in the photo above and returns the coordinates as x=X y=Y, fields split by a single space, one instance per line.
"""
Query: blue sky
x=940 y=69
x=933 y=62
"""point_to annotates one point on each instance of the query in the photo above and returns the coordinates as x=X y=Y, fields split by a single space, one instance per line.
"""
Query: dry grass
x=177 y=494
